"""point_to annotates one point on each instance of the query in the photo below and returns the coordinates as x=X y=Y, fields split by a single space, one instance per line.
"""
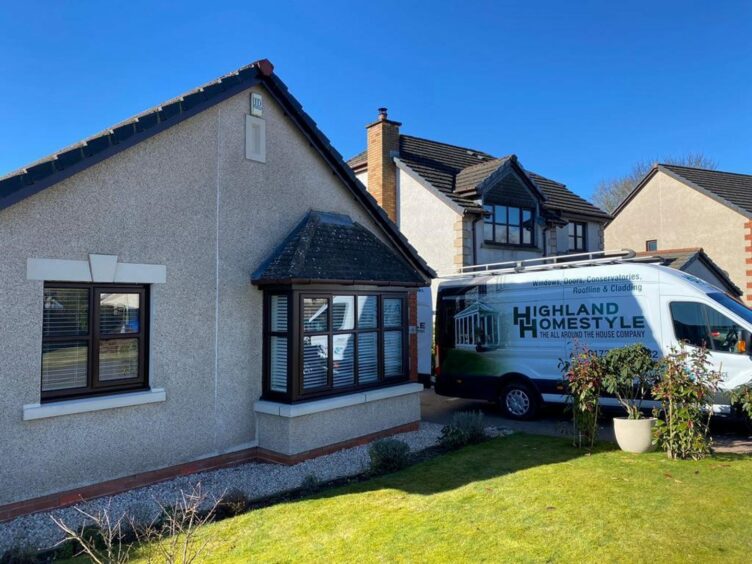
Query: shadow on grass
x=491 y=459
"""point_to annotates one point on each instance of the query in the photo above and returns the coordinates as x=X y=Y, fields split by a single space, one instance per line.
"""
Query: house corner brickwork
x=748 y=261
x=551 y=241
x=463 y=242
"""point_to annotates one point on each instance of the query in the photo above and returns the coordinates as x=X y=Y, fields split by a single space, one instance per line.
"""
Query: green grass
x=520 y=498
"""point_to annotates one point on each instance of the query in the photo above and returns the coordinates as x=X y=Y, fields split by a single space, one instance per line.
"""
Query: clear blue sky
x=578 y=90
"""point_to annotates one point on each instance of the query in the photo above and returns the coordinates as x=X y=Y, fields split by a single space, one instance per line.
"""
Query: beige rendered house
x=202 y=284
x=678 y=207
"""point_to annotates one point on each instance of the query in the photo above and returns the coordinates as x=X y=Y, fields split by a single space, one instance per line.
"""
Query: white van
x=500 y=335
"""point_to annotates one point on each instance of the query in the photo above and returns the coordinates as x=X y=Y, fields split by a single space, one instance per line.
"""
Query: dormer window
x=509 y=225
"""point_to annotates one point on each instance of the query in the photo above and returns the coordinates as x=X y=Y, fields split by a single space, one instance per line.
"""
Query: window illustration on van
x=477 y=327
x=700 y=325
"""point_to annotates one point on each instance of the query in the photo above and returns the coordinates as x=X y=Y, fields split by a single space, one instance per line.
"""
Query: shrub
x=741 y=400
x=309 y=484
x=583 y=377
x=465 y=428
x=388 y=455
x=233 y=502
x=629 y=373
x=19 y=556
x=685 y=391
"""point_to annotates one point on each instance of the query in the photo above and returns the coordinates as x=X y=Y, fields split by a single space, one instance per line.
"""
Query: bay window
x=93 y=339
x=325 y=343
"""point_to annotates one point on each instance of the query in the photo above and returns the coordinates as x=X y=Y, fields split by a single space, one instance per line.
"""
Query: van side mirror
x=744 y=344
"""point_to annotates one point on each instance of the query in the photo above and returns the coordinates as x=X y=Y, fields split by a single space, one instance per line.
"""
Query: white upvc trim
x=34 y=411
x=99 y=268
x=328 y=404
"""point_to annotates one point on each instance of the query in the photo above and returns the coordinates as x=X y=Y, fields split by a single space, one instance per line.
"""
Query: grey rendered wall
x=188 y=199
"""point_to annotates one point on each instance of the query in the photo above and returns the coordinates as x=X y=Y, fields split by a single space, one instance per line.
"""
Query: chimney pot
x=382 y=114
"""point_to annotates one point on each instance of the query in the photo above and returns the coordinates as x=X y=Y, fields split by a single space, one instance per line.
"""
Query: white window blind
x=367 y=312
x=66 y=312
x=368 y=365
x=118 y=359
x=278 y=345
x=392 y=353
x=344 y=360
x=64 y=366
x=392 y=312
x=315 y=361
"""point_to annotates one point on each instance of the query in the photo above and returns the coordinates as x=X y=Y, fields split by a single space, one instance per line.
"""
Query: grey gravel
x=256 y=480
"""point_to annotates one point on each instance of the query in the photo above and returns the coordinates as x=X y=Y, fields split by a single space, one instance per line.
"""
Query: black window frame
x=295 y=349
x=490 y=218
x=95 y=386
x=648 y=244
x=577 y=242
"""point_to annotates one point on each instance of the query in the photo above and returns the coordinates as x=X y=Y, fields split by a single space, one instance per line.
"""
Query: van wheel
x=519 y=401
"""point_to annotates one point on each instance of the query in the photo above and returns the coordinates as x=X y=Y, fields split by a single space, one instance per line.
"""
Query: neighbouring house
x=679 y=207
x=204 y=283
x=461 y=207
x=696 y=262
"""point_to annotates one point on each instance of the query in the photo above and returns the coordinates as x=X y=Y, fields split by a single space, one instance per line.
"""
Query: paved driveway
x=555 y=421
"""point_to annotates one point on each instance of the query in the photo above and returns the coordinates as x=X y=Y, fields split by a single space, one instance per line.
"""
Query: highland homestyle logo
x=590 y=320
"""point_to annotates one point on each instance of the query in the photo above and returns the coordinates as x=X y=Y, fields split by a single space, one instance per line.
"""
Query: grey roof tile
x=329 y=247
x=732 y=187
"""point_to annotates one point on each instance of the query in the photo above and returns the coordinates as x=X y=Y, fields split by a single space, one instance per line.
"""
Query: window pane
x=488 y=232
x=514 y=235
x=315 y=314
x=64 y=365
x=344 y=360
x=500 y=214
x=527 y=215
x=571 y=230
x=723 y=331
x=279 y=313
x=118 y=313
x=343 y=308
x=367 y=312
x=501 y=234
x=315 y=361
x=527 y=236
x=689 y=323
x=118 y=359
x=66 y=312
x=368 y=366
x=278 y=364
x=651 y=245
x=392 y=353
x=392 y=312
x=514 y=216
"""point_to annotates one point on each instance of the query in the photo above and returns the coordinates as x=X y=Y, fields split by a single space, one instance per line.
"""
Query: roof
x=729 y=188
x=458 y=171
x=332 y=248
x=681 y=259
x=54 y=168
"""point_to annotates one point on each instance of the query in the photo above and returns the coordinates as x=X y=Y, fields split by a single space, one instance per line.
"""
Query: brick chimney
x=383 y=145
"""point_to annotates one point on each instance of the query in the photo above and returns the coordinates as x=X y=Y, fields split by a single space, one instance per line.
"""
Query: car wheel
x=519 y=401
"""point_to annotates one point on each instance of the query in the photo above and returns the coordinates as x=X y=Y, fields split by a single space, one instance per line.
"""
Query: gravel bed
x=256 y=480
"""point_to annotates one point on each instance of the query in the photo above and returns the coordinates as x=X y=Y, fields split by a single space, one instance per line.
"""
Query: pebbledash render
x=206 y=278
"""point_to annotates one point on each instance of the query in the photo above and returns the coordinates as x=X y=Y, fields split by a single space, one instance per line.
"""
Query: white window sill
x=33 y=411
x=327 y=404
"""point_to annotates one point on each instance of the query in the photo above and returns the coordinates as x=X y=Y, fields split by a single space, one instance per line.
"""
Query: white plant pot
x=634 y=435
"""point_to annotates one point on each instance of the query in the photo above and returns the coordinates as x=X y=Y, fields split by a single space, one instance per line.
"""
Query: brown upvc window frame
x=507 y=226
x=296 y=349
x=577 y=242
x=94 y=385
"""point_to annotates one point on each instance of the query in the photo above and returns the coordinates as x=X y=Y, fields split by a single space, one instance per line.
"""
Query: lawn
x=519 y=498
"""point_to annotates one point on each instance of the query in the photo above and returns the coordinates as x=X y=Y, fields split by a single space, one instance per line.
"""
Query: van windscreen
x=731 y=304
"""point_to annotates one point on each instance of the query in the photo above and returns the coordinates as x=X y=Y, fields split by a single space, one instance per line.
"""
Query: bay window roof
x=332 y=248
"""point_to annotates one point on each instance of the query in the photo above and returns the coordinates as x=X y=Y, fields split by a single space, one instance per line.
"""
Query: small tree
x=630 y=373
x=685 y=391
x=583 y=376
x=610 y=193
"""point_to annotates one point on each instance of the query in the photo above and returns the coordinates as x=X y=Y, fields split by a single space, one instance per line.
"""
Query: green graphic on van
x=602 y=318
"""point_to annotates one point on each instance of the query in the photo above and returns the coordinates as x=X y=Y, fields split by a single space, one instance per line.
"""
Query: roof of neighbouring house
x=729 y=188
x=332 y=248
x=54 y=168
x=681 y=259
x=458 y=171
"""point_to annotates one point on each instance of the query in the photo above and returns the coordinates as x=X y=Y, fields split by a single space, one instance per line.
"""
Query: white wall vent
x=255 y=139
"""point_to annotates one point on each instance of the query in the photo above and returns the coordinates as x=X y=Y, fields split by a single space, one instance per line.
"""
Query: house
x=461 y=207
x=678 y=207
x=202 y=284
x=696 y=262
